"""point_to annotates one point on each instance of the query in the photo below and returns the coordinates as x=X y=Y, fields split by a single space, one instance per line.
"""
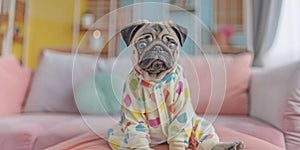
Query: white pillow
x=291 y=116
x=268 y=90
x=51 y=88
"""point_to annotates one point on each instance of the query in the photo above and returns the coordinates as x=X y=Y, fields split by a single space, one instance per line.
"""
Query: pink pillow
x=291 y=116
x=14 y=83
x=236 y=74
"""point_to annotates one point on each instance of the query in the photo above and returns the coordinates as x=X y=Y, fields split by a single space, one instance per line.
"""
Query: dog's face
x=155 y=47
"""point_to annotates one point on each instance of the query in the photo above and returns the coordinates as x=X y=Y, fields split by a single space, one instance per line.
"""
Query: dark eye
x=142 y=44
x=172 y=45
x=148 y=38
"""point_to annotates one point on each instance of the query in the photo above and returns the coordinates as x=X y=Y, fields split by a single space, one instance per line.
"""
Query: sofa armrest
x=268 y=90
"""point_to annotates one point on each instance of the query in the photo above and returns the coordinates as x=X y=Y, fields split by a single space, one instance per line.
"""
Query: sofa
x=39 y=110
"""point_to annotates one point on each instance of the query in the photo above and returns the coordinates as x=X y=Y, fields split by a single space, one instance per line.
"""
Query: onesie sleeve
x=181 y=126
x=133 y=117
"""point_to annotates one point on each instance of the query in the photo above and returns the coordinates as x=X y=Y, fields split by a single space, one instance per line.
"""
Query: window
x=229 y=12
x=98 y=7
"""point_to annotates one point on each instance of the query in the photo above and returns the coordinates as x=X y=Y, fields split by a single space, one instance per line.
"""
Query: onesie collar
x=148 y=83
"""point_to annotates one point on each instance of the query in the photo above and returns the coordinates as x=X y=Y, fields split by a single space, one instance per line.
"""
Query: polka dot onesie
x=159 y=112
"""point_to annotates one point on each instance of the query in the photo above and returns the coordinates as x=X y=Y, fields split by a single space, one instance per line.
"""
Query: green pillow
x=99 y=95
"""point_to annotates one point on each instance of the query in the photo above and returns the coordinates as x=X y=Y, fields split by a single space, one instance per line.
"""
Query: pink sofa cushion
x=14 y=81
x=41 y=130
x=291 y=116
x=236 y=74
x=252 y=127
x=253 y=143
x=72 y=128
x=92 y=142
x=20 y=132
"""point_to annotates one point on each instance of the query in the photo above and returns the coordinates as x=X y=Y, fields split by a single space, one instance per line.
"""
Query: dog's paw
x=237 y=145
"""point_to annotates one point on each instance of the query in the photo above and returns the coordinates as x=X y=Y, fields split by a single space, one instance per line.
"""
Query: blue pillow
x=99 y=95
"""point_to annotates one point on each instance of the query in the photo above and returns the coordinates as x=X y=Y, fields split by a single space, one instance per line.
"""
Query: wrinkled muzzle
x=156 y=60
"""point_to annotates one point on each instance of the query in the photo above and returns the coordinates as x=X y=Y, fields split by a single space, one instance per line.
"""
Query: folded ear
x=180 y=31
x=129 y=32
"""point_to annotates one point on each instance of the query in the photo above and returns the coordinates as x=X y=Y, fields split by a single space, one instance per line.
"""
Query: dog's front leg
x=237 y=145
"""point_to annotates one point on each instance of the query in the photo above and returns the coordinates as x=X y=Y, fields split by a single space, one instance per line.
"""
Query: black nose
x=157 y=48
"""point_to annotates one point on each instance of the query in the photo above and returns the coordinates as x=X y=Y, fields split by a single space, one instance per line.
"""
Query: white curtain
x=286 y=46
x=264 y=24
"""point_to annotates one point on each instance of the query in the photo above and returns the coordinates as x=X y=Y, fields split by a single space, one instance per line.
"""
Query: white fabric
x=286 y=46
x=268 y=91
x=291 y=123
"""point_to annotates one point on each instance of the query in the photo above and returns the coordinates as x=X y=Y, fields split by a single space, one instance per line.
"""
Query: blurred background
x=242 y=65
x=27 y=27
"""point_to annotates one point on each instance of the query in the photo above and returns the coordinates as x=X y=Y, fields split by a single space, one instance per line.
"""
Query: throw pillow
x=52 y=85
x=269 y=88
x=14 y=81
x=236 y=73
x=99 y=95
x=291 y=115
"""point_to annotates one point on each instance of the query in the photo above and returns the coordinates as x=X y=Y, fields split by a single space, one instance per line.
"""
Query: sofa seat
x=20 y=132
x=72 y=128
x=37 y=131
x=252 y=127
x=91 y=141
x=41 y=130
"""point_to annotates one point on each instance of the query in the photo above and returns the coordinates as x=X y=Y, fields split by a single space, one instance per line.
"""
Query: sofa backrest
x=229 y=96
x=229 y=87
x=268 y=91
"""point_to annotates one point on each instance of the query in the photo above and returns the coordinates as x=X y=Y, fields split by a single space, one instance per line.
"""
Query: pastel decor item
x=96 y=41
x=100 y=95
x=14 y=82
x=224 y=35
x=227 y=31
x=87 y=20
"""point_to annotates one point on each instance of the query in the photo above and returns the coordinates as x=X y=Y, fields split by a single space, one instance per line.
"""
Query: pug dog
x=156 y=105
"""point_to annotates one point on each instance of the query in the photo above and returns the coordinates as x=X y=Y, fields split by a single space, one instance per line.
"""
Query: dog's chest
x=157 y=100
x=156 y=104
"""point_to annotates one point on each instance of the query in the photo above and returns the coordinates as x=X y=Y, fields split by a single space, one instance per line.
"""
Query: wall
x=207 y=17
x=158 y=12
x=50 y=25
x=18 y=44
x=17 y=50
